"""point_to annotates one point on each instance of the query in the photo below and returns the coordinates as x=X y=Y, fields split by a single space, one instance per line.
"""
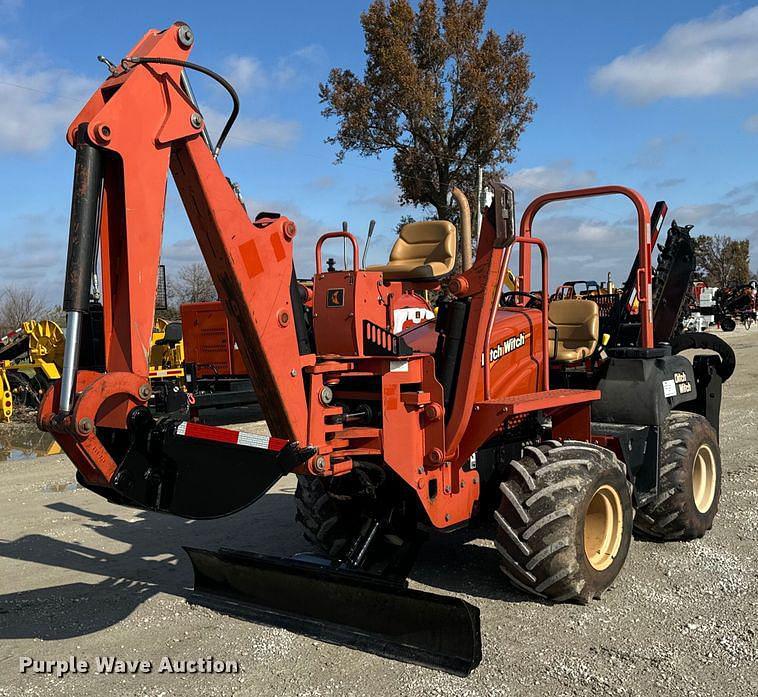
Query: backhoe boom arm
x=139 y=125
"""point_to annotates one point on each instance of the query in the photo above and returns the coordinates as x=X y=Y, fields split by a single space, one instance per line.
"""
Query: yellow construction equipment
x=7 y=395
x=166 y=350
x=30 y=357
x=46 y=346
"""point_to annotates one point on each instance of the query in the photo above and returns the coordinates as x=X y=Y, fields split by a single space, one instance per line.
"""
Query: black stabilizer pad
x=348 y=608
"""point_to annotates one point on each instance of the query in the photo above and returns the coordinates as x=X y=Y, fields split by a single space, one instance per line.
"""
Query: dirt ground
x=80 y=577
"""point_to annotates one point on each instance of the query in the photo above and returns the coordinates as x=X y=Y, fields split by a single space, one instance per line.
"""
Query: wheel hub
x=603 y=528
x=704 y=478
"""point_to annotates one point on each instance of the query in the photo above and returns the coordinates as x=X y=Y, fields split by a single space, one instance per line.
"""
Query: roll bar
x=644 y=278
x=330 y=235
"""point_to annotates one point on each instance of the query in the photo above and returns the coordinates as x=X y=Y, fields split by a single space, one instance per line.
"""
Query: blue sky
x=660 y=96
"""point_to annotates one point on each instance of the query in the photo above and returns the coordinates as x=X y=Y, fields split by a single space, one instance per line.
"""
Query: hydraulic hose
x=141 y=60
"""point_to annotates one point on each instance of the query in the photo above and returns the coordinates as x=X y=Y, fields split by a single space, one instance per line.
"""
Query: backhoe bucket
x=350 y=608
x=197 y=471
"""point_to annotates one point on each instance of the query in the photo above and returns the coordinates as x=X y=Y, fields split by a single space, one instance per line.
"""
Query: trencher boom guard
x=377 y=401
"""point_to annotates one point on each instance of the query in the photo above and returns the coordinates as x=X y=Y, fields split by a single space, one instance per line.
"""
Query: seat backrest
x=577 y=323
x=426 y=242
x=172 y=335
x=173 y=332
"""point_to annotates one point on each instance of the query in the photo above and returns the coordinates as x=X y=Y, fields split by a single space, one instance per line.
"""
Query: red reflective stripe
x=276 y=443
x=225 y=435
x=222 y=435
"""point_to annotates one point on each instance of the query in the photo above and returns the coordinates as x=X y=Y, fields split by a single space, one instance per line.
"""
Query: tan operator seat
x=578 y=325
x=423 y=251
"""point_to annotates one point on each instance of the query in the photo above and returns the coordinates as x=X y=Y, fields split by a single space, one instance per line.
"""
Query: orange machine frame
x=145 y=123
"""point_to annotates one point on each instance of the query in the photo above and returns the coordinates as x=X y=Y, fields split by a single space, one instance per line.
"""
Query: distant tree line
x=191 y=283
x=721 y=261
x=19 y=304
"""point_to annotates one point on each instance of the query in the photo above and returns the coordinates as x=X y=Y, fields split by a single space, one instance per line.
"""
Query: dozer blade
x=350 y=608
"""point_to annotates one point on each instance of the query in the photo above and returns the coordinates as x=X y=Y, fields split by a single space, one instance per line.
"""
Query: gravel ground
x=80 y=577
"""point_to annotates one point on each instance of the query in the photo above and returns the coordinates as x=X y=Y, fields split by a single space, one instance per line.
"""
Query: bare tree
x=17 y=305
x=192 y=284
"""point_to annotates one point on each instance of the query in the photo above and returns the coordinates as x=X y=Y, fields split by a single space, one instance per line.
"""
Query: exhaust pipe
x=82 y=238
x=465 y=215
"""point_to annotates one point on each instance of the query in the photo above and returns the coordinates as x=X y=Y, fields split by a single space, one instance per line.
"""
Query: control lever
x=371 y=226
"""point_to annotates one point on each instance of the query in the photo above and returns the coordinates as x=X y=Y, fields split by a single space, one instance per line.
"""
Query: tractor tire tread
x=672 y=515
x=538 y=554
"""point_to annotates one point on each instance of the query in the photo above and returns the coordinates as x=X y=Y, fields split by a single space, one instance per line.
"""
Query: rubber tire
x=673 y=515
x=23 y=390
x=728 y=324
x=322 y=521
x=540 y=520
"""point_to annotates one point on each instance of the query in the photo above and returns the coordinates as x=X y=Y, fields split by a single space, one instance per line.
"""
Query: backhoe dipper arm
x=136 y=126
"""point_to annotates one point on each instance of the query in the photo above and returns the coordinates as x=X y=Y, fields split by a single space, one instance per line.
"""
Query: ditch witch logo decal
x=506 y=346
x=335 y=297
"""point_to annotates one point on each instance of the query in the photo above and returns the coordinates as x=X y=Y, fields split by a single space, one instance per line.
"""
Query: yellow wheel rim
x=704 y=478
x=603 y=527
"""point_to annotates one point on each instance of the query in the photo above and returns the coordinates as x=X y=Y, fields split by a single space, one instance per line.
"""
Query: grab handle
x=330 y=235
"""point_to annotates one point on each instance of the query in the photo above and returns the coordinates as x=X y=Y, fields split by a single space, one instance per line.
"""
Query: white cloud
x=699 y=213
x=266 y=131
x=30 y=243
x=277 y=133
x=296 y=66
x=707 y=56
x=719 y=218
x=751 y=124
x=38 y=104
x=385 y=200
x=584 y=248
x=245 y=72
x=653 y=152
x=248 y=72
x=322 y=183
x=556 y=176
x=184 y=251
x=670 y=182
x=743 y=195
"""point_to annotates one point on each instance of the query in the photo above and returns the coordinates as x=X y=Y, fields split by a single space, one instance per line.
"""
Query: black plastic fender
x=710 y=342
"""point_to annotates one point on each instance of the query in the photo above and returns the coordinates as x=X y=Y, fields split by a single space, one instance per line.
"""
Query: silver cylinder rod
x=187 y=87
x=70 y=361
